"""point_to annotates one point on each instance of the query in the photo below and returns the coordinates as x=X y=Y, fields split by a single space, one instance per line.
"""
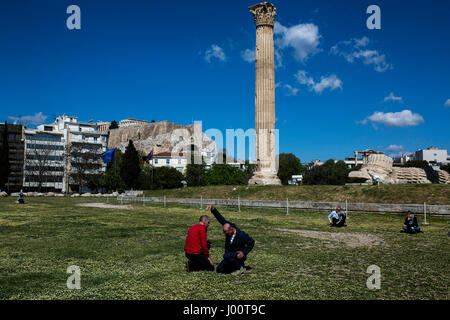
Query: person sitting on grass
x=337 y=218
x=197 y=247
x=20 y=198
x=238 y=245
x=410 y=225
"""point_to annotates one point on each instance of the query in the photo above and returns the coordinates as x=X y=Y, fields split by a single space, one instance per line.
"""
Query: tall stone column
x=266 y=172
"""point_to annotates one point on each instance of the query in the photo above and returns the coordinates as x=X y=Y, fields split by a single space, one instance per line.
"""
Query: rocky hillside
x=161 y=136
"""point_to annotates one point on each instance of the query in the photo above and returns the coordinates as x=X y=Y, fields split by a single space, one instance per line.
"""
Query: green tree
x=111 y=179
x=249 y=170
x=195 y=173
x=417 y=164
x=96 y=182
x=130 y=168
x=288 y=165
x=330 y=173
x=445 y=167
x=167 y=178
x=147 y=177
x=224 y=174
x=5 y=167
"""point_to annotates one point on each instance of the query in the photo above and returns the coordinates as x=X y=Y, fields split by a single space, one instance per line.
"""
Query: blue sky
x=340 y=86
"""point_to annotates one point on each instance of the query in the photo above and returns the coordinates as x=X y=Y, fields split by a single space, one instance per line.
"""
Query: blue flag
x=109 y=155
x=149 y=156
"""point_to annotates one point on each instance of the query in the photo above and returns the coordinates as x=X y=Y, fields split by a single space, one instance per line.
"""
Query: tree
x=288 y=165
x=113 y=125
x=167 y=178
x=85 y=162
x=445 y=167
x=224 y=174
x=96 y=182
x=195 y=173
x=417 y=164
x=131 y=166
x=44 y=161
x=5 y=167
x=112 y=180
x=249 y=170
x=330 y=173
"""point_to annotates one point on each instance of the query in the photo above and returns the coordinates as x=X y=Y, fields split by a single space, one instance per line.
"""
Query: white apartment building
x=44 y=161
x=432 y=155
x=80 y=139
x=166 y=159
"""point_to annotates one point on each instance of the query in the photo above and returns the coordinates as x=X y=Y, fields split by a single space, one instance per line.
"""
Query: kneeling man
x=238 y=245
x=337 y=218
x=197 y=247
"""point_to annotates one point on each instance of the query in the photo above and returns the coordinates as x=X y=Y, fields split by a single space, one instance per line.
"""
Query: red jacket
x=196 y=240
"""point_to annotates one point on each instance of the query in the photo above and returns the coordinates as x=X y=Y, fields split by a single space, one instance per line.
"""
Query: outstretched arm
x=216 y=214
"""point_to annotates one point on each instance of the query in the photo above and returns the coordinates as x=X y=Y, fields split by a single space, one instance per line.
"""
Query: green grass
x=138 y=254
x=412 y=193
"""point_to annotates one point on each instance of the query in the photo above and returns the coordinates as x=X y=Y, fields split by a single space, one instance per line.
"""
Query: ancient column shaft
x=264 y=14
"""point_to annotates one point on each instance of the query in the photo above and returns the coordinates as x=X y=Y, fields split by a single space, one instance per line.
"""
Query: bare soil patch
x=105 y=206
x=353 y=240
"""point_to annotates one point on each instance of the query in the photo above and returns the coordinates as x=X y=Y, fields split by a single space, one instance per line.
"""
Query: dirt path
x=354 y=240
x=105 y=206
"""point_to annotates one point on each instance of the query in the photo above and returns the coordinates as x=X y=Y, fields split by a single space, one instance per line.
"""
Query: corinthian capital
x=264 y=14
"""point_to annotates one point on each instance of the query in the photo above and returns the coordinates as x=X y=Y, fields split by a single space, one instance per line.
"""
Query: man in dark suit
x=238 y=245
x=410 y=225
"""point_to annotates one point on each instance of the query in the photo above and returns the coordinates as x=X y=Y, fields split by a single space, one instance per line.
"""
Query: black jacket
x=414 y=222
x=242 y=241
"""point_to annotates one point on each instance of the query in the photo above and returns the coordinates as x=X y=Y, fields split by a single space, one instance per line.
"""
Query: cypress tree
x=131 y=166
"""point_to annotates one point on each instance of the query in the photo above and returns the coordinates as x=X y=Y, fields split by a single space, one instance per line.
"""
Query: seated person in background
x=410 y=225
x=197 y=247
x=337 y=218
x=20 y=198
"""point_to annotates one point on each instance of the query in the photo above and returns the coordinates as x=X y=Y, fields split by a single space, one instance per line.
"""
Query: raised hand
x=209 y=207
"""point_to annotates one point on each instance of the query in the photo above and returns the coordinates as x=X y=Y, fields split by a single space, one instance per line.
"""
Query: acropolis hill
x=161 y=136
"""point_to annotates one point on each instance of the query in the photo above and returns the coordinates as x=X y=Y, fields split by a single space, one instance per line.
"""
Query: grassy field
x=418 y=193
x=138 y=254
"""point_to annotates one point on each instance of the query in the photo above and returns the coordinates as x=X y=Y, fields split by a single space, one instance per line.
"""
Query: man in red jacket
x=196 y=247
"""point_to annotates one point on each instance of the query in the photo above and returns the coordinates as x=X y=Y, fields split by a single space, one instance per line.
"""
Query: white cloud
x=331 y=82
x=394 y=148
x=215 y=52
x=248 y=55
x=403 y=118
x=291 y=91
x=303 y=38
x=392 y=97
x=36 y=119
x=447 y=103
x=355 y=49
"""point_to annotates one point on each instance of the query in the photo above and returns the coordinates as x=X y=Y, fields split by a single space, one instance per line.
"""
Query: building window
x=95 y=139
x=179 y=161
x=156 y=161
x=167 y=161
